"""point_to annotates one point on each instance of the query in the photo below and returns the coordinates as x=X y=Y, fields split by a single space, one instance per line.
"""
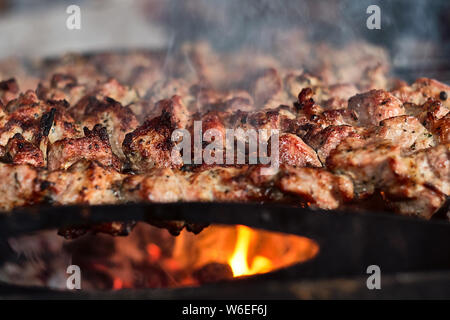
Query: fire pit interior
x=153 y=258
x=284 y=252
x=219 y=144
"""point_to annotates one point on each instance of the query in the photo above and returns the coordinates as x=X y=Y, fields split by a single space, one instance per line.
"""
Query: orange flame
x=118 y=284
x=154 y=252
x=239 y=259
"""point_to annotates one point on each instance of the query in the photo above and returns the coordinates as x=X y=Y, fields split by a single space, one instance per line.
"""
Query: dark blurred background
x=416 y=32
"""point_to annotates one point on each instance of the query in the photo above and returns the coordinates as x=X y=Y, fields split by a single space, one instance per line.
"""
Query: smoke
x=411 y=30
x=233 y=21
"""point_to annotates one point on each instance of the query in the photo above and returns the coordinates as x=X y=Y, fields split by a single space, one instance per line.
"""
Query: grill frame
x=411 y=263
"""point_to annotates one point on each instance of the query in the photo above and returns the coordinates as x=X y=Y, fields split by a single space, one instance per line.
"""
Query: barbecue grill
x=412 y=254
x=405 y=249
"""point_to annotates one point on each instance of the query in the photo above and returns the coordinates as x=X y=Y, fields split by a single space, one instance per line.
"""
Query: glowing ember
x=152 y=258
x=154 y=252
x=239 y=259
x=117 y=284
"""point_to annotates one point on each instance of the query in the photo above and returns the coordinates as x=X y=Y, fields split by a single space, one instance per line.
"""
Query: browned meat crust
x=8 y=90
x=294 y=152
x=423 y=89
x=374 y=106
x=117 y=120
x=420 y=182
x=20 y=151
x=318 y=187
x=151 y=144
x=85 y=182
x=93 y=146
x=95 y=131
x=17 y=187
x=328 y=139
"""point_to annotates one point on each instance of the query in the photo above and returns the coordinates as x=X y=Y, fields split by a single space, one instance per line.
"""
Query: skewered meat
x=84 y=137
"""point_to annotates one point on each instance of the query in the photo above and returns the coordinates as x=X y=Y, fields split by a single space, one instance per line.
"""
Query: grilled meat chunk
x=35 y=119
x=379 y=165
x=117 y=120
x=114 y=228
x=293 y=151
x=162 y=185
x=374 y=106
x=93 y=146
x=84 y=182
x=423 y=89
x=406 y=132
x=431 y=109
x=9 y=89
x=366 y=163
x=17 y=187
x=151 y=145
x=63 y=87
x=440 y=128
x=420 y=183
x=167 y=185
x=112 y=89
x=317 y=187
x=20 y=151
x=328 y=139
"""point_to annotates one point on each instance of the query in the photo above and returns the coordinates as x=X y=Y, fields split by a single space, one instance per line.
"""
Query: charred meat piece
x=328 y=139
x=37 y=121
x=93 y=146
x=151 y=145
x=406 y=132
x=117 y=120
x=27 y=98
x=20 y=151
x=380 y=165
x=431 y=109
x=164 y=89
x=115 y=228
x=63 y=87
x=112 y=89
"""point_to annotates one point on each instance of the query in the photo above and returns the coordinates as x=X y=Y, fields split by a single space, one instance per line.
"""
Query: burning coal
x=152 y=258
